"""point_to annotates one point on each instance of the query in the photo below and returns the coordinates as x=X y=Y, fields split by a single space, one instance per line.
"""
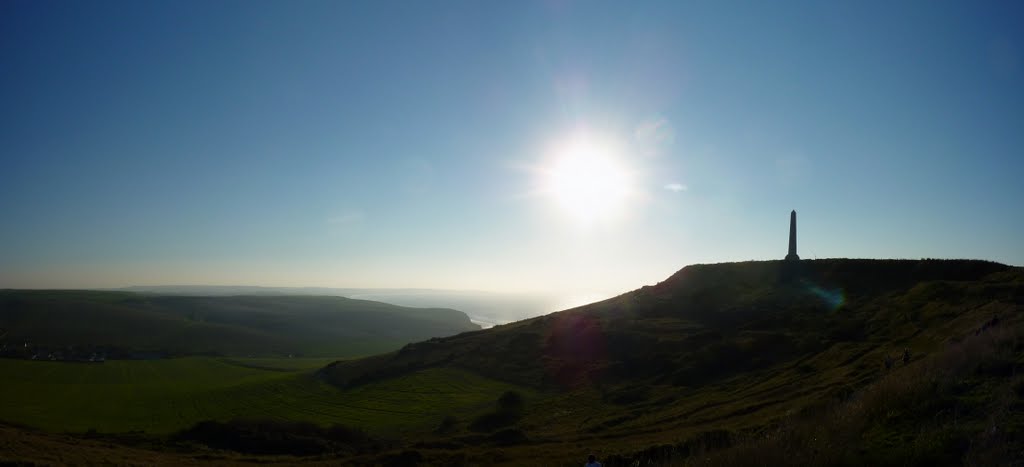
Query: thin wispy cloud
x=676 y=187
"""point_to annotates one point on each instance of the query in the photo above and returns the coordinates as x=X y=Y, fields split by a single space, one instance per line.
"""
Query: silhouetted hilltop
x=710 y=321
x=859 y=275
x=761 y=363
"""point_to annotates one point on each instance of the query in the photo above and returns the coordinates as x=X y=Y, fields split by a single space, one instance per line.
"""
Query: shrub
x=491 y=421
x=511 y=401
x=279 y=437
x=408 y=458
x=508 y=437
x=508 y=411
x=629 y=395
x=448 y=425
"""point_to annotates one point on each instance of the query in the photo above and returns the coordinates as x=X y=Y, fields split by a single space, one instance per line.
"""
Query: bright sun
x=586 y=180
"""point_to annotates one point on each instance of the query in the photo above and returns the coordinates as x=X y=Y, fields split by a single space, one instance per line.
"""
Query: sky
x=580 y=147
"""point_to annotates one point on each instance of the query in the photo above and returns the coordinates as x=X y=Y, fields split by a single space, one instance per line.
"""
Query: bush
x=508 y=437
x=511 y=401
x=508 y=411
x=408 y=458
x=279 y=437
x=629 y=395
x=491 y=421
x=448 y=425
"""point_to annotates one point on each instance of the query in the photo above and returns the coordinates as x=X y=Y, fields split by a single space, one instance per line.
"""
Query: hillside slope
x=718 y=352
x=709 y=321
x=241 y=325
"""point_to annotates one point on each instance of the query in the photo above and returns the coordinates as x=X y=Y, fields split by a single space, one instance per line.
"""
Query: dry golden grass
x=930 y=399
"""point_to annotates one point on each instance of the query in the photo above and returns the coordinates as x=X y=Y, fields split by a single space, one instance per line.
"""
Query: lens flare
x=834 y=298
x=587 y=180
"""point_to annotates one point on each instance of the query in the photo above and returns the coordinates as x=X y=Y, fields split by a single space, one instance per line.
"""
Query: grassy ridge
x=711 y=322
x=716 y=351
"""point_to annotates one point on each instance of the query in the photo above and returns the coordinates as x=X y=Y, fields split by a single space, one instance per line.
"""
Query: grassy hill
x=130 y=323
x=757 y=363
x=707 y=322
x=718 y=354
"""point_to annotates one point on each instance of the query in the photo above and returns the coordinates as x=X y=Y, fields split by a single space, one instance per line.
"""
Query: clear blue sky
x=413 y=144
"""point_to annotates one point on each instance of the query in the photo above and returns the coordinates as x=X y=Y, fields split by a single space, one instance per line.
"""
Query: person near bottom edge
x=592 y=462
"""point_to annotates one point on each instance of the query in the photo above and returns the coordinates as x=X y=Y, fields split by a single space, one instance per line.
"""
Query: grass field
x=163 y=396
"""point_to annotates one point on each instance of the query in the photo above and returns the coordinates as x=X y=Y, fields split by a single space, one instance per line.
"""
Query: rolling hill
x=824 y=362
x=122 y=323
x=485 y=308
x=718 y=354
x=708 y=322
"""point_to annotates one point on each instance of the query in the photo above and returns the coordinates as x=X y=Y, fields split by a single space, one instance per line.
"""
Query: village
x=26 y=349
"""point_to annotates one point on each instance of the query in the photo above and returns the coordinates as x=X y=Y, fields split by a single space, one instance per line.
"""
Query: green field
x=163 y=396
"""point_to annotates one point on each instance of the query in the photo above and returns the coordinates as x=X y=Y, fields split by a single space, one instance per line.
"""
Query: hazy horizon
x=484 y=308
x=424 y=289
x=564 y=148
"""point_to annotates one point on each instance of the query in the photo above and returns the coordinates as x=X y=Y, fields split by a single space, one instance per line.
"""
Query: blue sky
x=412 y=144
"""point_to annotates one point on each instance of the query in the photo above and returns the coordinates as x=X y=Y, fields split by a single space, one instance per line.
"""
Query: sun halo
x=587 y=181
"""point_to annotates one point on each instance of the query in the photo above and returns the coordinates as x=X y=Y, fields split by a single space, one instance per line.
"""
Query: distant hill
x=486 y=308
x=717 y=353
x=233 y=290
x=222 y=325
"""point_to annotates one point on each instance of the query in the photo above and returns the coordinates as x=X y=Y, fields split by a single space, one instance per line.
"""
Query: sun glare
x=587 y=181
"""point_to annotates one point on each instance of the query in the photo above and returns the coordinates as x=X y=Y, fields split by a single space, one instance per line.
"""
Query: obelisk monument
x=792 y=238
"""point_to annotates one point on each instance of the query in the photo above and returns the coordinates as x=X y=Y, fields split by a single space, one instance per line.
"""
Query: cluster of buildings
x=26 y=350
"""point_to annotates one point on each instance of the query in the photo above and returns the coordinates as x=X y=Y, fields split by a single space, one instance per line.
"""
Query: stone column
x=792 y=256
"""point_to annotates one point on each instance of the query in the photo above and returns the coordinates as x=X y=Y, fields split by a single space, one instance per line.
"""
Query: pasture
x=164 y=396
